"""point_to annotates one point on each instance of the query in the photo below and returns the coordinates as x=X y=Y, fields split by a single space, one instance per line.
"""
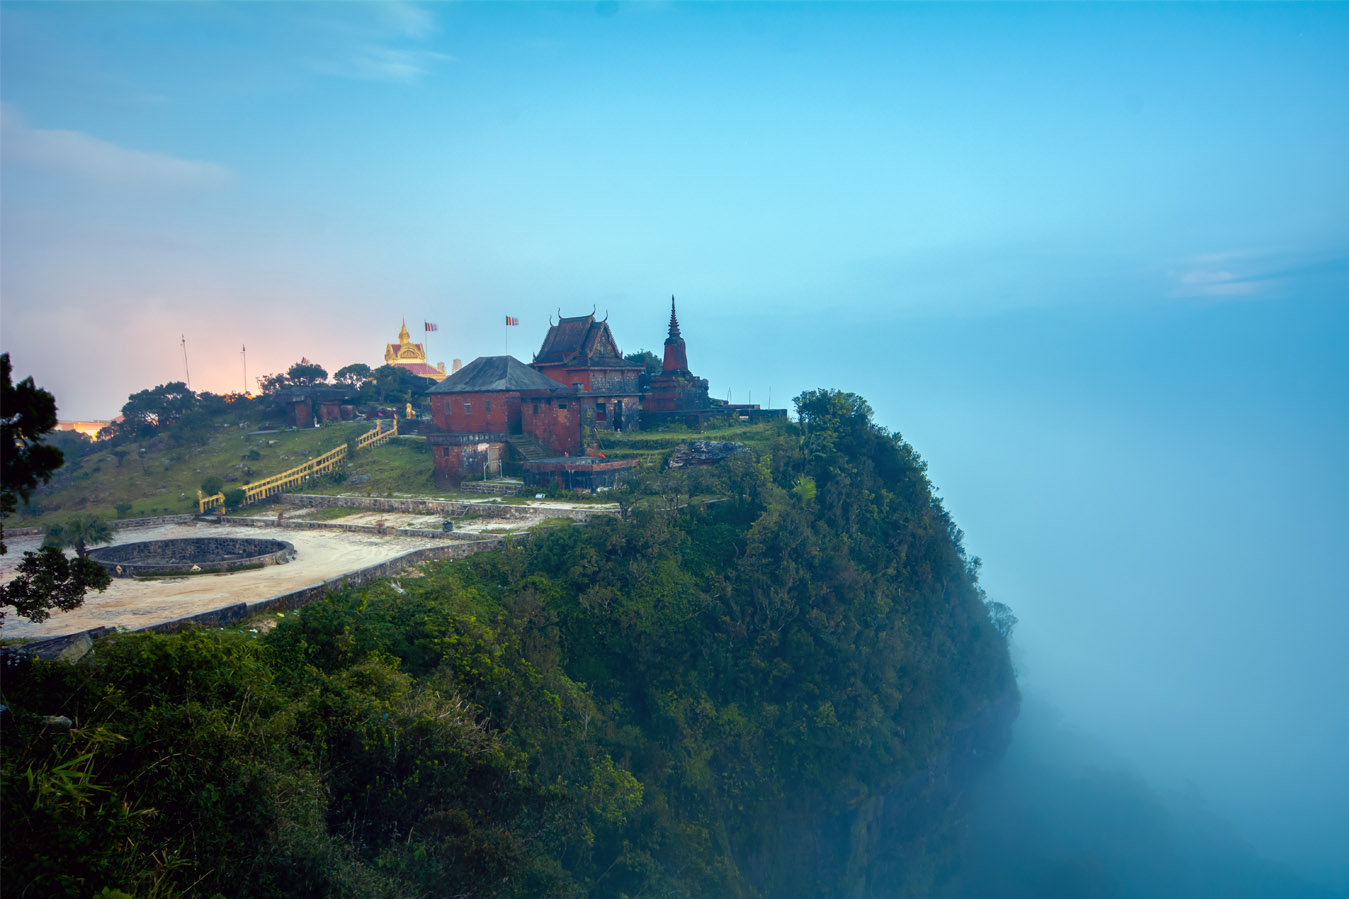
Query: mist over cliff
x=1064 y=816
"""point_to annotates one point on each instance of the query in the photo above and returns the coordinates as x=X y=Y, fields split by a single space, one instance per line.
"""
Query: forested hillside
x=777 y=693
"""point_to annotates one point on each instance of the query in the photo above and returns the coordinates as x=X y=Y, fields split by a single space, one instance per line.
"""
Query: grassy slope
x=164 y=479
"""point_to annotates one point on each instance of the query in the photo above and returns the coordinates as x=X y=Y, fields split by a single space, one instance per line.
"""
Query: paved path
x=131 y=604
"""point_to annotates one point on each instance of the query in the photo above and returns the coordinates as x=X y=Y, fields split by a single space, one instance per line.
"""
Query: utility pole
x=186 y=370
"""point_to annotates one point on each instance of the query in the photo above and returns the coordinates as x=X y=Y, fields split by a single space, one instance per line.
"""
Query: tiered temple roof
x=411 y=356
x=580 y=341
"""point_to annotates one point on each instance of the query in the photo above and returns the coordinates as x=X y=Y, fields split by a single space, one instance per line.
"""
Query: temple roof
x=581 y=341
x=487 y=374
x=422 y=369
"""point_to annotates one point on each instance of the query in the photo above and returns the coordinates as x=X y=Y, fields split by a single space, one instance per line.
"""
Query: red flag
x=430 y=326
x=511 y=320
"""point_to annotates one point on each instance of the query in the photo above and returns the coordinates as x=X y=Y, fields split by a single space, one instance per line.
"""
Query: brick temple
x=551 y=415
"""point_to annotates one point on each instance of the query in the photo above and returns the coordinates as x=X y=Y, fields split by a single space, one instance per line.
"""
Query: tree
x=148 y=410
x=78 y=533
x=46 y=579
x=395 y=384
x=27 y=415
x=647 y=359
x=353 y=375
x=307 y=374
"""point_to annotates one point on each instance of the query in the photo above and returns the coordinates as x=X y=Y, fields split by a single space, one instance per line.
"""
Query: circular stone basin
x=194 y=555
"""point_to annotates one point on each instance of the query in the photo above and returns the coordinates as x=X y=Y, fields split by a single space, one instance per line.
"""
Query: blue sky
x=1091 y=260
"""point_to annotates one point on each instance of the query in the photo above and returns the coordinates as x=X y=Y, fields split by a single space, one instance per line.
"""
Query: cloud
x=389 y=64
x=406 y=19
x=378 y=42
x=1226 y=275
x=83 y=156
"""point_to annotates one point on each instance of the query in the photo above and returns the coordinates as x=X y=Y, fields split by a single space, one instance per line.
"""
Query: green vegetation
x=45 y=579
x=161 y=475
x=79 y=533
x=694 y=703
x=402 y=466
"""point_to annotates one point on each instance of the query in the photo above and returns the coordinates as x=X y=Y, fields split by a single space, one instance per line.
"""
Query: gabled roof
x=488 y=374
x=580 y=341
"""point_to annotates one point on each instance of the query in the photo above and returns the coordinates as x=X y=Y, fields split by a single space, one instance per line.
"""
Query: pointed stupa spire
x=676 y=358
x=403 y=336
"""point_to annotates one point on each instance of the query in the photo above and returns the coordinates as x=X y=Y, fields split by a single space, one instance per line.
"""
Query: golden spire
x=403 y=336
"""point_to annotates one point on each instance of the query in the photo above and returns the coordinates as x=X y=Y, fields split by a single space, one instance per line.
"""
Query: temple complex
x=412 y=356
x=545 y=418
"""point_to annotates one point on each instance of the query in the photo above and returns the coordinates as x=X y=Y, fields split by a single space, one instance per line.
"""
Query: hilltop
x=161 y=473
x=783 y=692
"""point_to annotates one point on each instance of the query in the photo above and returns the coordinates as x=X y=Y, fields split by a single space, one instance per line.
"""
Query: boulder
x=704 y=452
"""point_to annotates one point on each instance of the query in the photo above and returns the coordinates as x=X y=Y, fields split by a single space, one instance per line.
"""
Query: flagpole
x=243 y=354
x=187 y=371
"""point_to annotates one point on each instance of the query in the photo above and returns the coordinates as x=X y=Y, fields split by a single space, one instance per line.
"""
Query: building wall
x=463 y=413
x=455 y=463
x=554 y=421
x=594 y=380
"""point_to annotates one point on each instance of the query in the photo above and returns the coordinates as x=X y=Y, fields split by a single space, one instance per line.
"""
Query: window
x=562 y=405
x=536 y=408
x=468 y=408
x=601 y=412
x=578 y=385
x=489 y=407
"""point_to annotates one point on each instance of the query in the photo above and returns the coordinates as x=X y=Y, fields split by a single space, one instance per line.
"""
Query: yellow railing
x=278 y=483
x=377 y=436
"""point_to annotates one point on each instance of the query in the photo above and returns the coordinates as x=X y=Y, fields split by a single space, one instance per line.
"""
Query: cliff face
x=901 y=843
x=781 y=693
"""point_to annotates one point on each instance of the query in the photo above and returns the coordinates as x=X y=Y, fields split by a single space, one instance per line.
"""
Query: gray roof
x=497 y=373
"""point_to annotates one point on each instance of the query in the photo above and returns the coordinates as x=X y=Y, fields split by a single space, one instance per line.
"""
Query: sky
x=1091 y=260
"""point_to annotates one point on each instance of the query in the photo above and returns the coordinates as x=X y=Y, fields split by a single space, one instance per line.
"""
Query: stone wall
x=446 y=508
x=191 y=554
x=302 y=525
x=116 y=525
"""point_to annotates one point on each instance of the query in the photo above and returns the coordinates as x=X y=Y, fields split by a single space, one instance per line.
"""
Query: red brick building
x=578 y=387
x=477 y=411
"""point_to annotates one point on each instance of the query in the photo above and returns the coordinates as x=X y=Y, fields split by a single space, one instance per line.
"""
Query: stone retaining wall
x=116 y=525
x=301 y=525
x=191 y=555
x=447 y=508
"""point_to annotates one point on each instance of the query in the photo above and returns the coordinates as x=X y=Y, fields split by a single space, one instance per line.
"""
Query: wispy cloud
x=381 y=42
x=1255 y=274
x=83 y=156
x=406 y=19
x=386 y=64
x=1230 y=274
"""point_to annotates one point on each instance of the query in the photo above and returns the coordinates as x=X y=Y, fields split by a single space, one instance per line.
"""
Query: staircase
x=528 y=448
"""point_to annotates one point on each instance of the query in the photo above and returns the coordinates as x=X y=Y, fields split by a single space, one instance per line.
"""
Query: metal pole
x=243 y=354
x=186 y=370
